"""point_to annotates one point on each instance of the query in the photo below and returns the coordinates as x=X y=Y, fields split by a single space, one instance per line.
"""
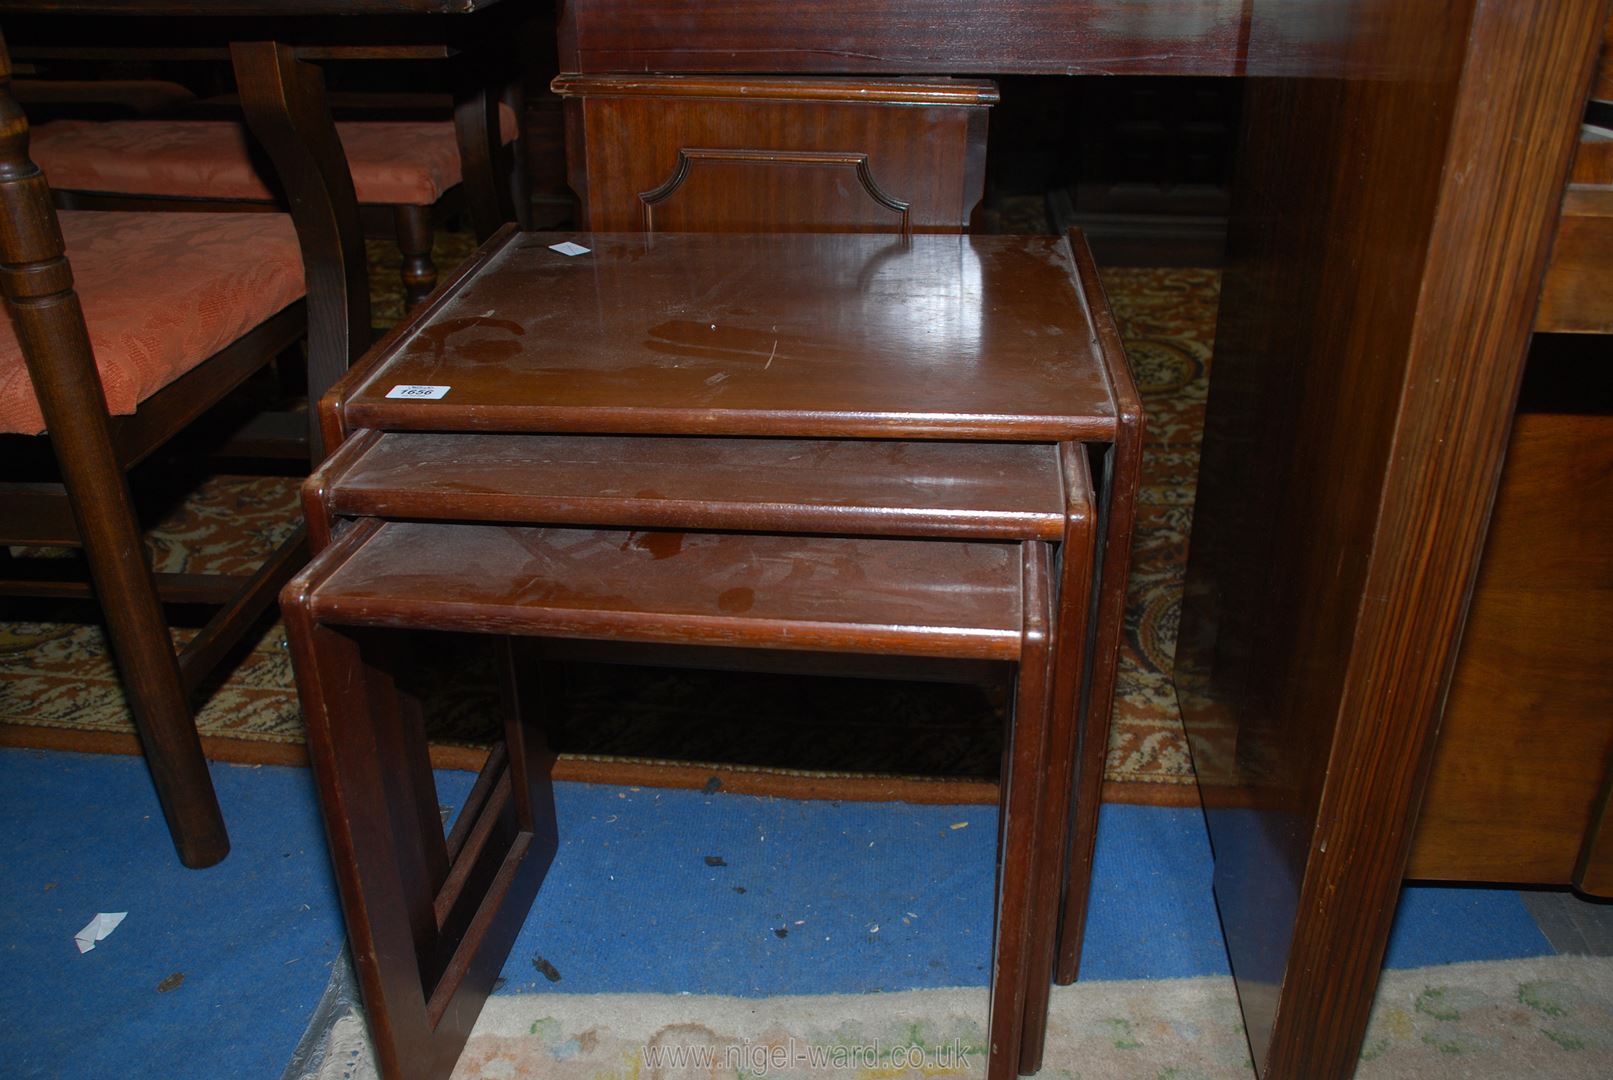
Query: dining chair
x=410 y=175
x=121 y=330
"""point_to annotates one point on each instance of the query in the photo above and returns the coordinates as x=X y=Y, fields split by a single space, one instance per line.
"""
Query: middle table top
x=808 y=335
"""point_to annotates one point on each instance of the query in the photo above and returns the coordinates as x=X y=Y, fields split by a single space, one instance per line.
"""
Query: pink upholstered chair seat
x=394 y=162
x=161 y=293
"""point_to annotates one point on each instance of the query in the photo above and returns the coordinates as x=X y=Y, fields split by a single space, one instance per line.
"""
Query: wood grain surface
x=905 y=597
x=1578 y=293
x=989 y=490
x=1526 y=745
x=975 y=337
x=709 y=154
x=1367 y=362
x=1138 y=37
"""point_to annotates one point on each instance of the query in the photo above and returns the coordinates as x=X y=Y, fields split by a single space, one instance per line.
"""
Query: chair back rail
x=284 y=101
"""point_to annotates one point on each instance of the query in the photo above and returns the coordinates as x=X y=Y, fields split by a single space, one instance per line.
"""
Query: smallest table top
x=806 y=335
x=943 y=598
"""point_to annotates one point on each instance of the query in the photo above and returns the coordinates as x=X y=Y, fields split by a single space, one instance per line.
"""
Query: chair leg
x=138 y=631
x=283 y=98
x=515 y=156
x=104 y=511
x=152 y=679
x=412 y=224
x=476 y=126
x=157 y=695
x=56 y=349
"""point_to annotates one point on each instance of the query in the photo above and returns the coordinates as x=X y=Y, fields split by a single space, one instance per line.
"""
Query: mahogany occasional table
x=850 y=386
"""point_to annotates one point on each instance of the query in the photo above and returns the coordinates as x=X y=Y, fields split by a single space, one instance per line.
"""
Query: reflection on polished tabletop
x=799 y=335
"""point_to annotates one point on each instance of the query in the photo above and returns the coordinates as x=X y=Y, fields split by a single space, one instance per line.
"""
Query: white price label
x=418 y=393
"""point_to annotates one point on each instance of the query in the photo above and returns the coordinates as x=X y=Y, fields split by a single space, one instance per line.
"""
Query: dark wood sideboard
x=1523 y=772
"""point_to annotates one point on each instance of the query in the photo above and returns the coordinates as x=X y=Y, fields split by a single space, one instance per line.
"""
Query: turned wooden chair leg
x=412 y=224
x=104 y=512
x=140 y=641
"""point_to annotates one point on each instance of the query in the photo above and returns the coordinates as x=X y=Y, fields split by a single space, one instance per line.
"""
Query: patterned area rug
x=59 y=689
x=1550 y=1017
x=1167 y=318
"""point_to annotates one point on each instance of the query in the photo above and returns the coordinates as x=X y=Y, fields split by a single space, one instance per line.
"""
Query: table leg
x=1024 y=755
x=1071 y=649
x=1118 y=512
x=430 y=921
x=385 y=897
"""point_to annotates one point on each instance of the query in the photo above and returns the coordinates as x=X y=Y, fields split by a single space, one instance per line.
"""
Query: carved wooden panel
x=685 y=154
x=754 y=190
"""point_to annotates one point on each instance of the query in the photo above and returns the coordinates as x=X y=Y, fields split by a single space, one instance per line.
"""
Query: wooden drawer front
x=1525 y=744
x=1577 y=296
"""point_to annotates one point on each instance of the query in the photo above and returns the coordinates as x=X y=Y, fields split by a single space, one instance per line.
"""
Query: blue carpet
x=652 y=891
x=1152 y=915
x=676 y=891
x=1446 y=924
x=869 y=896
x=252 y=938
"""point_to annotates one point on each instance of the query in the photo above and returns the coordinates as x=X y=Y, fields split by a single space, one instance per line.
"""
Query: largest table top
x=979 y=337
